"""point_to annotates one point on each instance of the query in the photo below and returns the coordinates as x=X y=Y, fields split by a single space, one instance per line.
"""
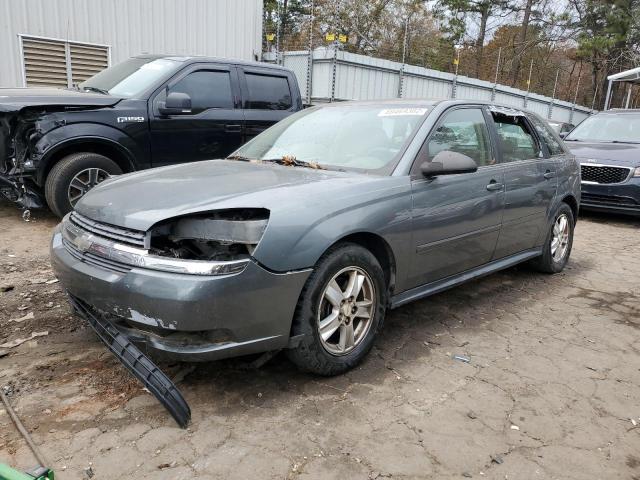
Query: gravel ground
x=552 y=389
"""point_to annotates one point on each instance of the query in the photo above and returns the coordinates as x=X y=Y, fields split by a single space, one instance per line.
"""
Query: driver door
x=214 y=127
x=456 y=218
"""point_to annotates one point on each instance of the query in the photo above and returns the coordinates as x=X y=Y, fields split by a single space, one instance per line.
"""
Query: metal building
x=63 y=42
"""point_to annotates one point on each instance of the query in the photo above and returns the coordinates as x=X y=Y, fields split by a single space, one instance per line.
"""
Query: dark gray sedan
x=305 y=236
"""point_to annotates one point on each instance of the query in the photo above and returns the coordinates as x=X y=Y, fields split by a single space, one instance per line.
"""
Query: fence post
x=553 y=96
x=454 y=83
x=526 y=97
x=495 y=80
x=575 y=98
x=310 y=56
x=333 y=72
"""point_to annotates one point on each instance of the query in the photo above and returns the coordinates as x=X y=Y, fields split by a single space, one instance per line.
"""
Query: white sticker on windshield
x=395 y=112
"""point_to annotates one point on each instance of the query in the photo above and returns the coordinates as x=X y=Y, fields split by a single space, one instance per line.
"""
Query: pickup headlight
x=636 y=173
x=218 y=243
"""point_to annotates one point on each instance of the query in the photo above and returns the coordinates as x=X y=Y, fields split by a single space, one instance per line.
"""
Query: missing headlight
x=223 y=235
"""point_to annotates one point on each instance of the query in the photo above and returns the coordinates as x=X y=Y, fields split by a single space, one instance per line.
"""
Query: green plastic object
x=39 y=473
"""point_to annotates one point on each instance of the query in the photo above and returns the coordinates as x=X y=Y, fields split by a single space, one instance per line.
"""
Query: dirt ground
x=552 y=389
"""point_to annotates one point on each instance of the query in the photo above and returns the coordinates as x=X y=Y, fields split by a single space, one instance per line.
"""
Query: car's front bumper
x=187 y=317
x=618 y=197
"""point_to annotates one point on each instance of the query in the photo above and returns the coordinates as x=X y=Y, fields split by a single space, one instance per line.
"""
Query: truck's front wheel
x=75 y=175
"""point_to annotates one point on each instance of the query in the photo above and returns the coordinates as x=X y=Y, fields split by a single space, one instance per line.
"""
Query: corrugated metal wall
x=224 y=28
x=358 y=77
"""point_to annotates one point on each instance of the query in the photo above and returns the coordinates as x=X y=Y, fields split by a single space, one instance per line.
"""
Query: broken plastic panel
x=138 y=364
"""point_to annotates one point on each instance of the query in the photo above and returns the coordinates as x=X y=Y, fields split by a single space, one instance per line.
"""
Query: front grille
x=603 y=174
x=94 y=260
x=118 y=234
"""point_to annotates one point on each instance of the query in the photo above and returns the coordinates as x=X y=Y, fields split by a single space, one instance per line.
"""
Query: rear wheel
x=75 y=175
x=340 y=311
x=557 y=247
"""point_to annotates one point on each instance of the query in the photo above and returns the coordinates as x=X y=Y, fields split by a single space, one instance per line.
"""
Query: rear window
x=268 y=92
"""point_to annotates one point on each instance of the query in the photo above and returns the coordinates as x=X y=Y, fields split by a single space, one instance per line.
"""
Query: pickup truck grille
x=604 y=174
x=118 y=234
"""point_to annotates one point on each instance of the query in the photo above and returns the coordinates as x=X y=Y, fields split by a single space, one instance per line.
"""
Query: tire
x=548 y=262
x=324 y=356
x=58 y=188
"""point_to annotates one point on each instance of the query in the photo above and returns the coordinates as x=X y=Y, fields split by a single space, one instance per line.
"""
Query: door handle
x=232 y=128
x=549 y=174
x=495 y=186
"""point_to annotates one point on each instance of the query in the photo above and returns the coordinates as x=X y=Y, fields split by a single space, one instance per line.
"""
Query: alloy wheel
x=84 y=181
x=560 y=238
x=346 y=310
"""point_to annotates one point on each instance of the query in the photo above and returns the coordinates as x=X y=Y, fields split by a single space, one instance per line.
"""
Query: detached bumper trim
x=138 y=364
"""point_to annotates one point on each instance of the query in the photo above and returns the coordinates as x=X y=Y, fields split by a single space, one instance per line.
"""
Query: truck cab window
x=207 y=89
x=268 y=92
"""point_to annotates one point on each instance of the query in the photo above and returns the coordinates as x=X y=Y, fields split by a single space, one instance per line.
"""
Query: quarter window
x=464 y=131
x=207 y=89
x=267 y=92
x=548 y=135
x=516 y=139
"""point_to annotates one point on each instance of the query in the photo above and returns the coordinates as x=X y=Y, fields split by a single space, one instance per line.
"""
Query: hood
x=623 y=154
x=140 y=200
x=13 y=99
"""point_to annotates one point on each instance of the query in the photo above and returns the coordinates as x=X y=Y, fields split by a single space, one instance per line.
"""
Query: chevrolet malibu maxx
x=304 y=237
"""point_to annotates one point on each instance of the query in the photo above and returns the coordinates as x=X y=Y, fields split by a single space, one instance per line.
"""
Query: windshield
x=131 y=77
x=361 y=137
x=607 y=127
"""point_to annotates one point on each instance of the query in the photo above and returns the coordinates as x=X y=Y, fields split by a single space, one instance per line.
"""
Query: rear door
x=530 y=179
x=213 y=129
x=268 y=96
x=456 y=218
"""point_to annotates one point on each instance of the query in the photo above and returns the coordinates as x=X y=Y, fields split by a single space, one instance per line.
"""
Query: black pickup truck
x=149 y=111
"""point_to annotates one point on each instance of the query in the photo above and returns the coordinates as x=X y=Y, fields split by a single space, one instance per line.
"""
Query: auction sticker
x=396 y=112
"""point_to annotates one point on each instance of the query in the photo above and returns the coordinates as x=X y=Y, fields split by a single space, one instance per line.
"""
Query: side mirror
x=177 y=103
x=447 y=162
x=563 y=134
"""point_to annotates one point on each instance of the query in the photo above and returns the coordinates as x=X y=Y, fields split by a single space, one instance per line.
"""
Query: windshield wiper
x=95 y=89
x=622 y=141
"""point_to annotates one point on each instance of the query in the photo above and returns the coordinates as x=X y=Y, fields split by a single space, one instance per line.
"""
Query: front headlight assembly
x=215 y=243
x=636 y=172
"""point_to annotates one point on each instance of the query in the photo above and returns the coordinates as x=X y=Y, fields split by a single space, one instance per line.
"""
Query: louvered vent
x=86 y=61
x=45 y=63
x=56 y=63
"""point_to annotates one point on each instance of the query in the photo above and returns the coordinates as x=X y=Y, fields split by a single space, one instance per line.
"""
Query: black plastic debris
x=138 y=364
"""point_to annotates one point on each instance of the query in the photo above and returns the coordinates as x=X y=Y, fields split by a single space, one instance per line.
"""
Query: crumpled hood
x=140 y=200
x=623 y=154
x=14 y=99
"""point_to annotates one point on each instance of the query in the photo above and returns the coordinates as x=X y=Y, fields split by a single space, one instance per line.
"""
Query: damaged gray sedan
x=304 y=237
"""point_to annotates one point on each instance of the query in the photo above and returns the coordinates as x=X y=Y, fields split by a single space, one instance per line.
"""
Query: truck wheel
x=73 y=176
x=557 y=246
x=340 y=311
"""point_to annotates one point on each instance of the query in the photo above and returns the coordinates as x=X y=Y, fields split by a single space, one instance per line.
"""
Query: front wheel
x=75 y=175
x=558 y=243
x=340 y=311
